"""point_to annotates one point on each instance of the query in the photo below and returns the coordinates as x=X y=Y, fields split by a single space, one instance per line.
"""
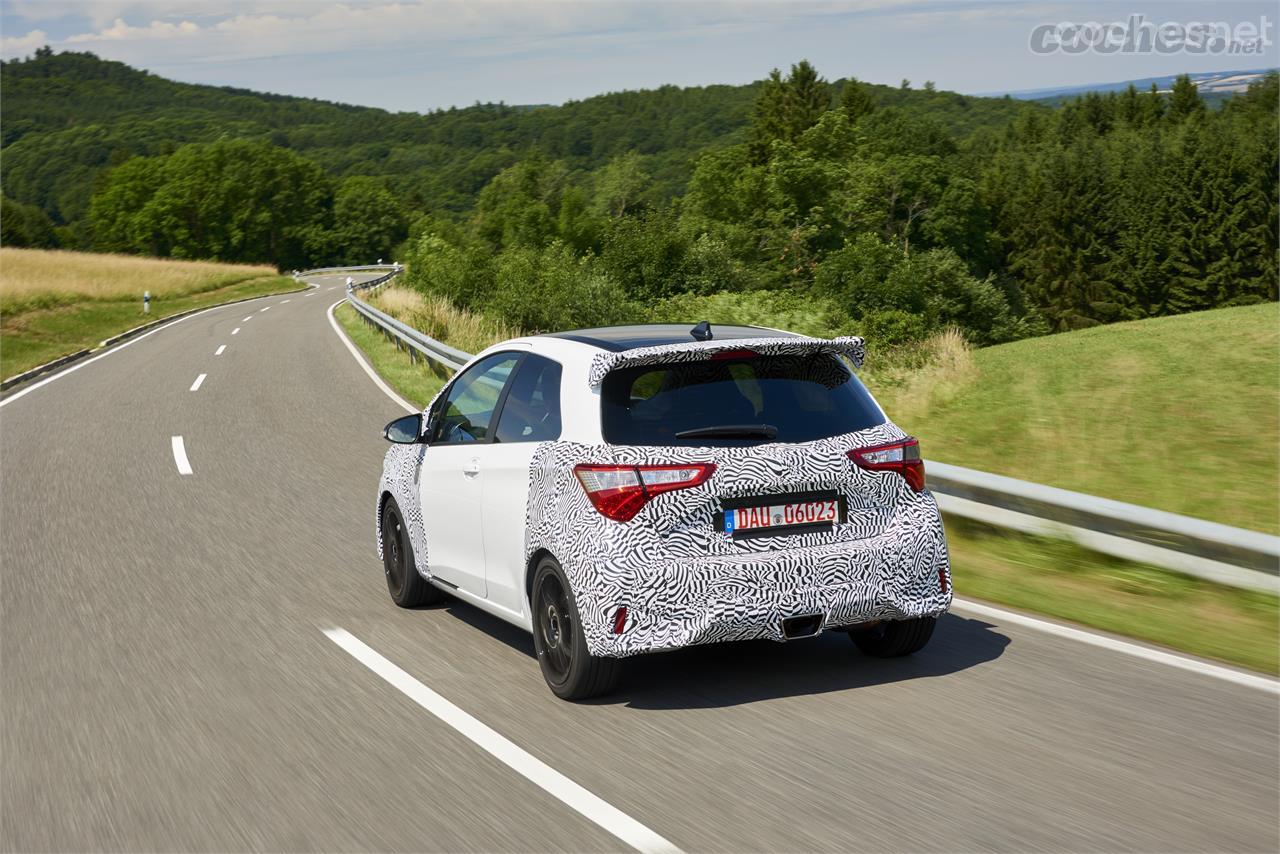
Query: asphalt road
x=166 y=683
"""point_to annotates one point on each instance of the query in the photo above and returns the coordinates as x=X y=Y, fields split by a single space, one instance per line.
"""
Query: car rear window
x=804 y=398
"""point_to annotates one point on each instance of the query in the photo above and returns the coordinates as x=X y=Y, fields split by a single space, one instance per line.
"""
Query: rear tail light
x=620 y=620
x=619 y=492
x=902 y=457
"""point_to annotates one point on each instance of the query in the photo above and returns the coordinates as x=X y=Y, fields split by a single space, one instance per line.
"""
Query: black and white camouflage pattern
x=851 y=347
x=684 y=582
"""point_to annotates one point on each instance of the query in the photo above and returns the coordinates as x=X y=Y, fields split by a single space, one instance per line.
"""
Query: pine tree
x=856 y=100
x=808 y=97
x=1184 y=100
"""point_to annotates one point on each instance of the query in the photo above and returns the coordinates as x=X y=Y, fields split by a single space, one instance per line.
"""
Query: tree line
x=894 y=211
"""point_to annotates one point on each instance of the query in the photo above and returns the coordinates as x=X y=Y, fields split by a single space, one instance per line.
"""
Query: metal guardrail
x=1220 y=553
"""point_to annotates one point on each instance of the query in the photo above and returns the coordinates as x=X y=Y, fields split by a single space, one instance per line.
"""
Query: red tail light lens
x=619 y=492
x=902 y=457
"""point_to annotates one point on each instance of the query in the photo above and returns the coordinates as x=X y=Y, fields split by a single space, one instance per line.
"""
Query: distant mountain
x=1214 y=86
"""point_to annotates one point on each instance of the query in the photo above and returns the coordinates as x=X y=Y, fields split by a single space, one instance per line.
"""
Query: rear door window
x=784 y=398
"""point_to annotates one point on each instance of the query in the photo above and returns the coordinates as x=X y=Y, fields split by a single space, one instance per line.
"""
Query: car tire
x=572 y=673
x=407 y=587
x=894 y=638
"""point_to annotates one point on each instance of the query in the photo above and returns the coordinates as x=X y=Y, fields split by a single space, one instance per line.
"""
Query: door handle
x=472 y=468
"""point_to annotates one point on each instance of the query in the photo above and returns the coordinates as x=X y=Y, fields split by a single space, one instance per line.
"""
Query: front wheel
x=572 y=673
x=894 y=638
x=408 y=589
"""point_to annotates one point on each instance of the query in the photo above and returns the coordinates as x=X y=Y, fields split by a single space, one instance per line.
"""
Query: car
x=630 y=489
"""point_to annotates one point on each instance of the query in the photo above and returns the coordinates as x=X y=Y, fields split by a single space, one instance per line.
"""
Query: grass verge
x=415 y=382
x=1060 y=579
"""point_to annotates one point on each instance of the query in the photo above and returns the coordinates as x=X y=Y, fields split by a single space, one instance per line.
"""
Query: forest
x=895 y=211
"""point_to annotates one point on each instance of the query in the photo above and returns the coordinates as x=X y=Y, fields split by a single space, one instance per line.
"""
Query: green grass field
x=54 y=303
x=1178 y=413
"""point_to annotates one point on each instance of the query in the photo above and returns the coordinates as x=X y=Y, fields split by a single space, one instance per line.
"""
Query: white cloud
x=122 y=32
x=14 y=46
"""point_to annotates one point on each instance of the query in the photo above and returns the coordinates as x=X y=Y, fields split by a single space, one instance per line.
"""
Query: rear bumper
x=899 y=575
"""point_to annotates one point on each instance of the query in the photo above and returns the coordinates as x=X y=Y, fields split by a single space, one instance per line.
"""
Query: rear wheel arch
x=531 y=569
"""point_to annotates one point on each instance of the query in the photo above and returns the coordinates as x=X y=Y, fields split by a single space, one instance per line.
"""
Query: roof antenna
x=702 y=332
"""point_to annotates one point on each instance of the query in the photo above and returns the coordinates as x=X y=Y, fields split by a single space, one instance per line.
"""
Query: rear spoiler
x=696 y=351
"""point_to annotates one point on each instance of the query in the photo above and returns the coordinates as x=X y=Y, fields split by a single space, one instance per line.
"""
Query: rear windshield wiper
x=731 y=431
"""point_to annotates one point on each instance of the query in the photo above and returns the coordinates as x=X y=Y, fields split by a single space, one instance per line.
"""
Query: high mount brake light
x=902 y=457
x=619 y=492
x=734 y=354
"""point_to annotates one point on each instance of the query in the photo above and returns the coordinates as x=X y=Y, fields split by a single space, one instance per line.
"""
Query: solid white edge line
x=219 y=351
x=195 y=386
x=1226 y=674
x=525 y=764
x=359 y=357
x=180 y=454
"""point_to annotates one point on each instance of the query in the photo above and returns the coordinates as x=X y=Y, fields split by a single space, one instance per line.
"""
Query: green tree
x=1184 y=100
x=620 y=183
x=856 y=100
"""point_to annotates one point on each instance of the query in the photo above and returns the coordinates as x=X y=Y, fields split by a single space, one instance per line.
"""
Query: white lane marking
x=356 y=354
x=265 y=308
x=235 y=331
x=180 y=454
x=221 y=348
x=195 y=386
x=283 y=301
x=309 y=294
x=1227 y=674
x=333 y=287
x=247 y=319
x=534 y=770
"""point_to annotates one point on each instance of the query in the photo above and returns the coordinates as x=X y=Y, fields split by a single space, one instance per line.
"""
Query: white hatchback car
x=629 y=489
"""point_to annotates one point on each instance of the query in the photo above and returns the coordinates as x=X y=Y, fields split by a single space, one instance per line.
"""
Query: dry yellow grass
x=439 y=318
x=38 y=278
x=908 y=380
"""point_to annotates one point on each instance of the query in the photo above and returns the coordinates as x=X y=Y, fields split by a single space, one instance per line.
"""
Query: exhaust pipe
x=805 y=626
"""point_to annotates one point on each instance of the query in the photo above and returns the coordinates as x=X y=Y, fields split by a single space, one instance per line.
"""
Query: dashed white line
x=265 y=308
x=283 y=301
x=195 y=386
x=220 y=349
x=539 y=773
x=247 y=319
x=236 y=330
x=180 y=454
x=1181 y=662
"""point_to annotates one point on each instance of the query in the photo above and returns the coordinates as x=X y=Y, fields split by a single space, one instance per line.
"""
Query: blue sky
x=423 y=54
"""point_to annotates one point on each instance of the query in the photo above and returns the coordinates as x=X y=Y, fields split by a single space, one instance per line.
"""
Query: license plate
x=795 y=514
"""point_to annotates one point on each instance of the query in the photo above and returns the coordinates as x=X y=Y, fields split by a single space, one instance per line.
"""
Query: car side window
x=467 y=410
x=531 y=412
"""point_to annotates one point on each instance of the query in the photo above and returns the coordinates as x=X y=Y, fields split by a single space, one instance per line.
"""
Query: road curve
x=166 y=682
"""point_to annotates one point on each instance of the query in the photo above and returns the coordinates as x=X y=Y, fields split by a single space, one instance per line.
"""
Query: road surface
x=166 y=682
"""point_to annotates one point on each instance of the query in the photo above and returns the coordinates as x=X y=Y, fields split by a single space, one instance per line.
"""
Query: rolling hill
x=1177 y=413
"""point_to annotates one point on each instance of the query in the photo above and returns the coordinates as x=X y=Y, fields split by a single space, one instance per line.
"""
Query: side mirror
x=405 y=431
